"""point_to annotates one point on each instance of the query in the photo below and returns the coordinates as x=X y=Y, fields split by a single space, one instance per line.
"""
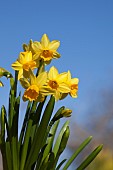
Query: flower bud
x=66 y=112
x=5 y=73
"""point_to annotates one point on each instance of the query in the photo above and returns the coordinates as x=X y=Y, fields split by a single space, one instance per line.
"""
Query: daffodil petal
x=20 y=74
x=45 y=41
x=56 y=55
x=74 y=81
x=53 y=45
x=69 y=76
x=74 y=95
x=64 y=88
x=46 y=90
x=53 y=73
x=41 y=79
x=57 y=95
x=62 y=77
x=28 y=56
x=16 y=65
x=32 y=77
x=21 y=57
x=37 y=47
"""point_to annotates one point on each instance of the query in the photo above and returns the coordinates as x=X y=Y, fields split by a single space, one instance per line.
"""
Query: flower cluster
x=38 y=55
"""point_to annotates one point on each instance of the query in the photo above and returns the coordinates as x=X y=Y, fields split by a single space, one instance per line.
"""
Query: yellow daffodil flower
x=45 y=49
x=24 y=63
x=56 y=83
x=73 y=84
x=34 y=86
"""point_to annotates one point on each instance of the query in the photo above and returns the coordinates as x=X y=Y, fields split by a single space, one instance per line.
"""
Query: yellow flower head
x=24 y=63
x=73 y=84
x=34 y=86
x=45 y=49
x=56 y=83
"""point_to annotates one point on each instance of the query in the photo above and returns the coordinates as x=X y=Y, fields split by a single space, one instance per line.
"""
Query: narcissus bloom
x=56 y=83
x=24 y=63
x=45 y=49
x=34 y=86
x=73 y=84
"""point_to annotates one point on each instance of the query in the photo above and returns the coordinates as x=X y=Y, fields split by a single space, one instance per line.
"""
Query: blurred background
x=85 y=30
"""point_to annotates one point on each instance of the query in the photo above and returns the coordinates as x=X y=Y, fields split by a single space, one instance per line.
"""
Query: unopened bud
x=66 y=112
x=5 y=73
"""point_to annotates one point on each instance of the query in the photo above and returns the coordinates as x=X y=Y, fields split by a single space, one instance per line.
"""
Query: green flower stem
x=27 y=137
x=79 y=149
x=12 y=96
x=14 y=137
x=36 y=118
x=9 y=155
x=40 y=134
x=90 y=158
x=16 y=82
x=22 y=133
x=41 y=68
x=2 y=138
x=11 y=108
x=2 y=135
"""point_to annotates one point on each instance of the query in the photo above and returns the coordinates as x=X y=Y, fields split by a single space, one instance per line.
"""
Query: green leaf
x=62 y=145
x=57 y=115
x=60 y=164
x=40 y=134
x=3 y=113
x=50 y=139
x=27 y=137
x=79 y=149
x=90 y=158
x=50 y=161
x=44 y=163
x=36 y=118
x=24 y=125
x=40 y=156
x=59 y=138
x=9 y=155
x=2 y=137
x=14 y=134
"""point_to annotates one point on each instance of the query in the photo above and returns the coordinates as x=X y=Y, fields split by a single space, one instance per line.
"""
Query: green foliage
x=37 y=146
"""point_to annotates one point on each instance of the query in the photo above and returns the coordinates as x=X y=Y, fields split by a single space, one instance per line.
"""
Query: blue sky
x=85 y=30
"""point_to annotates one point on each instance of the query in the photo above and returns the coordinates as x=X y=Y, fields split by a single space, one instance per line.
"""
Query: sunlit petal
x=41 y=79
x=17 y=65
x=63 y=88
x=62 y=77
x=45 y=41
x=54 y=45
x=53 y=73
